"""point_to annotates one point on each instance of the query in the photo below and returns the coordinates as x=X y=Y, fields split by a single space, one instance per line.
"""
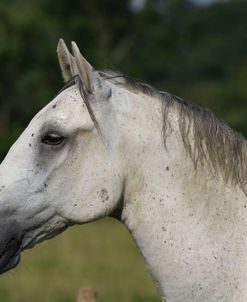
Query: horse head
x=64 y=168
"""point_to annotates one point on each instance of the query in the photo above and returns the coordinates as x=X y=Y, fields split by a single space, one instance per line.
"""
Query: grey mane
x=215 y=143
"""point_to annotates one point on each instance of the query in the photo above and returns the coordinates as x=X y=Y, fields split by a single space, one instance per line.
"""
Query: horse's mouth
x=10 y=255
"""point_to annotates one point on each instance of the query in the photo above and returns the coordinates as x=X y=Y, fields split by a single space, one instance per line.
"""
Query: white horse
x=174 y=174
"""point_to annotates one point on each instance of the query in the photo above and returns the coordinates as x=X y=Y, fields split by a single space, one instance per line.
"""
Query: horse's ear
x=85 y=70
x=90 y=78
x=66 y=61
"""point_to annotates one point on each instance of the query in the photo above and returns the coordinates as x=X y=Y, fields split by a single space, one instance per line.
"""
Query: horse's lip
x=12 y=263
x=10 y=257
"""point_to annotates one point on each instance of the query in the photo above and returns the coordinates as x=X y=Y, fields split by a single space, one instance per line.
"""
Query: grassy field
x=100 y=255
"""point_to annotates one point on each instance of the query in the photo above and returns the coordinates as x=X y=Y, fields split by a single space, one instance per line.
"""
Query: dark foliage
x=197 y=52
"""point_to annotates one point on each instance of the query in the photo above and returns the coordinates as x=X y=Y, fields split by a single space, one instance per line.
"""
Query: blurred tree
x=197 y=52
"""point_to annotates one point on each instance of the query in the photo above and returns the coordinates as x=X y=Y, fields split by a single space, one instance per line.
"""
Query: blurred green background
x=195 y=49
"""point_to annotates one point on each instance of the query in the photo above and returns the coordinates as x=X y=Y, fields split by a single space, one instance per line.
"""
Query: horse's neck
x=180 y=218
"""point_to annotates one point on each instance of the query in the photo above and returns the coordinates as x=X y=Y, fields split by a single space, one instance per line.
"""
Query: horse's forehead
x=69 y=94
x=69 y=99
x=67 y=105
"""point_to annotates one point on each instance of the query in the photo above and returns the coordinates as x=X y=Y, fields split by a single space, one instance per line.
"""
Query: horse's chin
x=44 y=231
x=10 y=258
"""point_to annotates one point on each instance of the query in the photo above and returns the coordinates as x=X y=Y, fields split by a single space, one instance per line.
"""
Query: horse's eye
x=52 y=138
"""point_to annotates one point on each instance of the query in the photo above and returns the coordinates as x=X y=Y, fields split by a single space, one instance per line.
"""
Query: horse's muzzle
x=10 y=246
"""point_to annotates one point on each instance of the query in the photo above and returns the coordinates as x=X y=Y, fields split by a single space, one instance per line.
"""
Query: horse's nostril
x=11 y=241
